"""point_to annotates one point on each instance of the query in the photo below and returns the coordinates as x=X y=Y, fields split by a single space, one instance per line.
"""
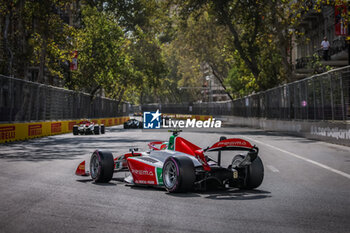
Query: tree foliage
x=153 y=51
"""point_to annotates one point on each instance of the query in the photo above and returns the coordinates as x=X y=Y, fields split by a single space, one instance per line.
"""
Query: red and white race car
x=88 y=127
x=180 y=166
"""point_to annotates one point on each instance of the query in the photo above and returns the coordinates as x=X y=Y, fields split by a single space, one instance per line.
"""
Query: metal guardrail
x=22 y=100
x=320 y=97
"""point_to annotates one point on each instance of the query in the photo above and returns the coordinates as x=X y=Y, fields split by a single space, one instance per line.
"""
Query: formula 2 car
x=180 y=166
x=133 y=124
x=88 y=127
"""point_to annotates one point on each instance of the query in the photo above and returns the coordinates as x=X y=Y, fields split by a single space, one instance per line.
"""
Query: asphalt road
x=306 y=188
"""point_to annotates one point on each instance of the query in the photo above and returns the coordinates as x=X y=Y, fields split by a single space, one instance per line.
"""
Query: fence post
x=307 y=98
x=322 y=101
x=314 y=95
x=12 y=98
x=288 y=102
x=331 y=87
x=342 y=97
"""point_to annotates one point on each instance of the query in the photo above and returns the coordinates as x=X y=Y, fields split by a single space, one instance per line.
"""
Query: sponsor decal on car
x=145 y=182
x=7 y=132
x=159 y=172
x=233 y=143
x=235 y=175
x=143 y=172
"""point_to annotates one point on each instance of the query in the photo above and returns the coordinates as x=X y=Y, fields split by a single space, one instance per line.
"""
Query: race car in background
x=133 y=124
x=88 y=127
x=180 y=166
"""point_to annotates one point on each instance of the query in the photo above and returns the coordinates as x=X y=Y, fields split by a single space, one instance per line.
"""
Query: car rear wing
x=158 y=145
x=232 y=144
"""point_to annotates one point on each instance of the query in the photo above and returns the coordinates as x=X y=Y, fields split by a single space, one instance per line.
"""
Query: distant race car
x=180 y=166
x=88 y=127
x=133 y=124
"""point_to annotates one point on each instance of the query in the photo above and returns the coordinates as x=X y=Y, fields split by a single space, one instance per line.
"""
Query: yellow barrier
x=24 y=131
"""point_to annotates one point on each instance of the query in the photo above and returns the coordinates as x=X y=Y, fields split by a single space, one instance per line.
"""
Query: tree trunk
x=251 y=61
x=121 y=94
x=220 y=79
x=41 y=75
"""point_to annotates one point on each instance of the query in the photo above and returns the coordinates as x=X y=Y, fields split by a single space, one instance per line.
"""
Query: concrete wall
x=333 y=132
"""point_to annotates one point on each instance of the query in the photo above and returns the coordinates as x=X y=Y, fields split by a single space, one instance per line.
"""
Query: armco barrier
x=336 y=132
x=24 y=131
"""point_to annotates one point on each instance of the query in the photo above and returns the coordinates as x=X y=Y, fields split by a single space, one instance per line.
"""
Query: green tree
x=104 y=62
x=141 y=22
x=32 y=35
x=259 y=35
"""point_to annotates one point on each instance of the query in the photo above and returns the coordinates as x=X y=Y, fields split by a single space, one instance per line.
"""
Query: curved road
x=306 y=188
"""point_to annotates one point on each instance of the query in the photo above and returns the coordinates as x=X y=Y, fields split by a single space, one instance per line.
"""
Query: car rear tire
x=75 y=130
x=101 y=166
x=254 y=173
x=102 y=129
x=178 y=174
x=96 y=129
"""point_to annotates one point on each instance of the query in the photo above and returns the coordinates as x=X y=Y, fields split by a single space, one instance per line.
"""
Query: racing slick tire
x=102 y=129
x=96 y=129
x=126 y=126
x=178 y=174
x=75 y=130
x=254 y=173
x=101 y=166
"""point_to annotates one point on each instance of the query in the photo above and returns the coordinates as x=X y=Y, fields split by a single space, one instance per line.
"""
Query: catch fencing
x=320 y=97
x=23 y=101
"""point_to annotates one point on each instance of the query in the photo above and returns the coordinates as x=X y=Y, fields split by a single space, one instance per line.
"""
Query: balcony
x=338 y=57
x=337 y=52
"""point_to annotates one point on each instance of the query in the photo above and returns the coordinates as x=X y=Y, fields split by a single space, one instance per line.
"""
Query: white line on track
x=346 y=175
x=272 y=168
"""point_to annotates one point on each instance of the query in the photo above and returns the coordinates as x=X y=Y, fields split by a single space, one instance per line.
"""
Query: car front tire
x=101 y=166
x=178 y=174
x=75 y=130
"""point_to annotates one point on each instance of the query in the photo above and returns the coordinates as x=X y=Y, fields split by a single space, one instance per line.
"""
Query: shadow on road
x=218 y=194
x=99 y=184
x=228 y=194
x=238 y=194
x=67 y=148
